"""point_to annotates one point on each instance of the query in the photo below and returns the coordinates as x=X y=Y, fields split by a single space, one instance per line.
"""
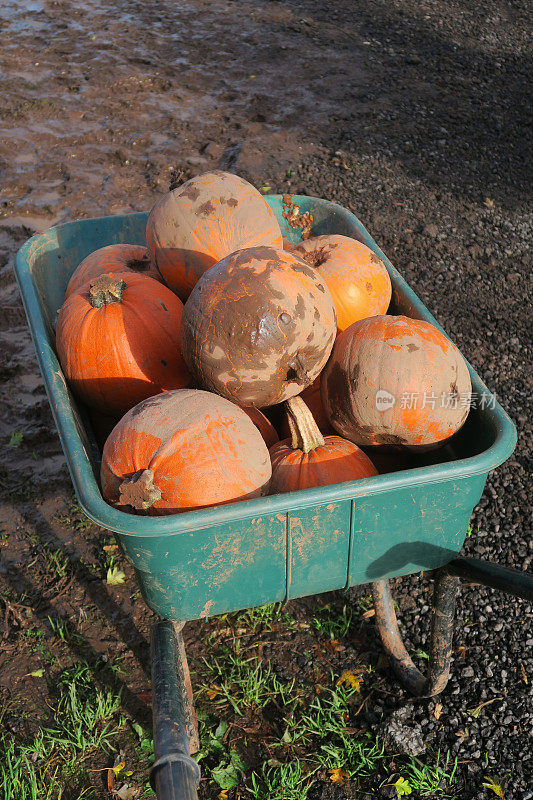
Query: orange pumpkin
x=309 y=459
x=265 y=427
x=357 y=279
x=181 y=450
x=199 y=223
x=113 y=258
x=395 y=381
x=118 y=341
x=258 y=327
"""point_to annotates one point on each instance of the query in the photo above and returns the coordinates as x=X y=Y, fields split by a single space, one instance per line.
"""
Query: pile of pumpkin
x=188 y=341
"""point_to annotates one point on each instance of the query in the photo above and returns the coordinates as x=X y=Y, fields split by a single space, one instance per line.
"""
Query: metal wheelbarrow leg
x=174 y=775
x=512 y=581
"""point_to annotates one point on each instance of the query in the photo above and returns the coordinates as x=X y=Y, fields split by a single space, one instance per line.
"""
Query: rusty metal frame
x=511 y=581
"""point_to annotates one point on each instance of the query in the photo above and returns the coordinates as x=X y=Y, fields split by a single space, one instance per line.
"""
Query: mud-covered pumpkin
x=202 y=221
x=395 y=381
x=258 y=327
x=118 y=341
x=310 y=459
x=181 y=450
x=356 y=277
x=112 y=258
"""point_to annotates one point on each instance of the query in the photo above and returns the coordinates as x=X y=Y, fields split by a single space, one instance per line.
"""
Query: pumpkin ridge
x=149 y=324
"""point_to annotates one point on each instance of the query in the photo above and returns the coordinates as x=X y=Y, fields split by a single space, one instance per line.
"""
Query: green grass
x=264 y=617
x=75 y=518
x=432 y=777
x=318 y=731
x=334 y=626
x=85 y=722
x=243 y=682
x=65 y=632
x=281 y=782
x=59 y=563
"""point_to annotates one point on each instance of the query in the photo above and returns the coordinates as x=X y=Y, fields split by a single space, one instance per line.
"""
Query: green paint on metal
x=216 y=560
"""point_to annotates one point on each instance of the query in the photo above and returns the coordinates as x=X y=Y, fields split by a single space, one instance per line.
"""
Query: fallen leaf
x=112 y=773
x=108 y=547
x=461 y=651
x=402 y=787
x=524 y=675
x=438 y=710
x=370 y=613
x=494 y=785
x=212 y=691
x=115 y=576
x=475 y=712
x=334 y=646
x=223 y=795
x=350 y=679
x=37 y=673
x=463 y=735
x=338 y=775
x=228 y=776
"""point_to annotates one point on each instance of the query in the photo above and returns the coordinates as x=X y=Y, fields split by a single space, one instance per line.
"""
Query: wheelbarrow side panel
x=268 y=559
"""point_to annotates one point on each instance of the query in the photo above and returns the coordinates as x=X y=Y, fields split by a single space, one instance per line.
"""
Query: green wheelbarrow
x=272 y=549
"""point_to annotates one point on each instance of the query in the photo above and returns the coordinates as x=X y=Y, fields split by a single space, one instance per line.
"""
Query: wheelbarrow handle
x=174 y=775
x=511 y=581
x=506 y=579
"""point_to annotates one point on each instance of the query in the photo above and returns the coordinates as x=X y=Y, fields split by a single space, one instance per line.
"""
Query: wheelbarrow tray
x=211 y=561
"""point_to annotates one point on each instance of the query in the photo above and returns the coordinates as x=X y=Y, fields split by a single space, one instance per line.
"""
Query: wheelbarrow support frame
x=511 y=581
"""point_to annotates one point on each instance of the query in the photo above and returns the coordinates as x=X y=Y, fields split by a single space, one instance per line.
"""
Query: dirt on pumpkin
x=412 y=115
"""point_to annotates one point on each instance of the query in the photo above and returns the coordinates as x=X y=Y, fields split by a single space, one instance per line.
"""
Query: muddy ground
x=414 y=115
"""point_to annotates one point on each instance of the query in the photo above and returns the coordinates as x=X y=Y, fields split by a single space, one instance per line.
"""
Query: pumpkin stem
x=106 y=289
x=139 y=490
x=305 y=434
x=291 y=212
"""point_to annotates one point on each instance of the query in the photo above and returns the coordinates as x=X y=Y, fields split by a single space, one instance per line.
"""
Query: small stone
x=431 y=230
x=398 y=737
